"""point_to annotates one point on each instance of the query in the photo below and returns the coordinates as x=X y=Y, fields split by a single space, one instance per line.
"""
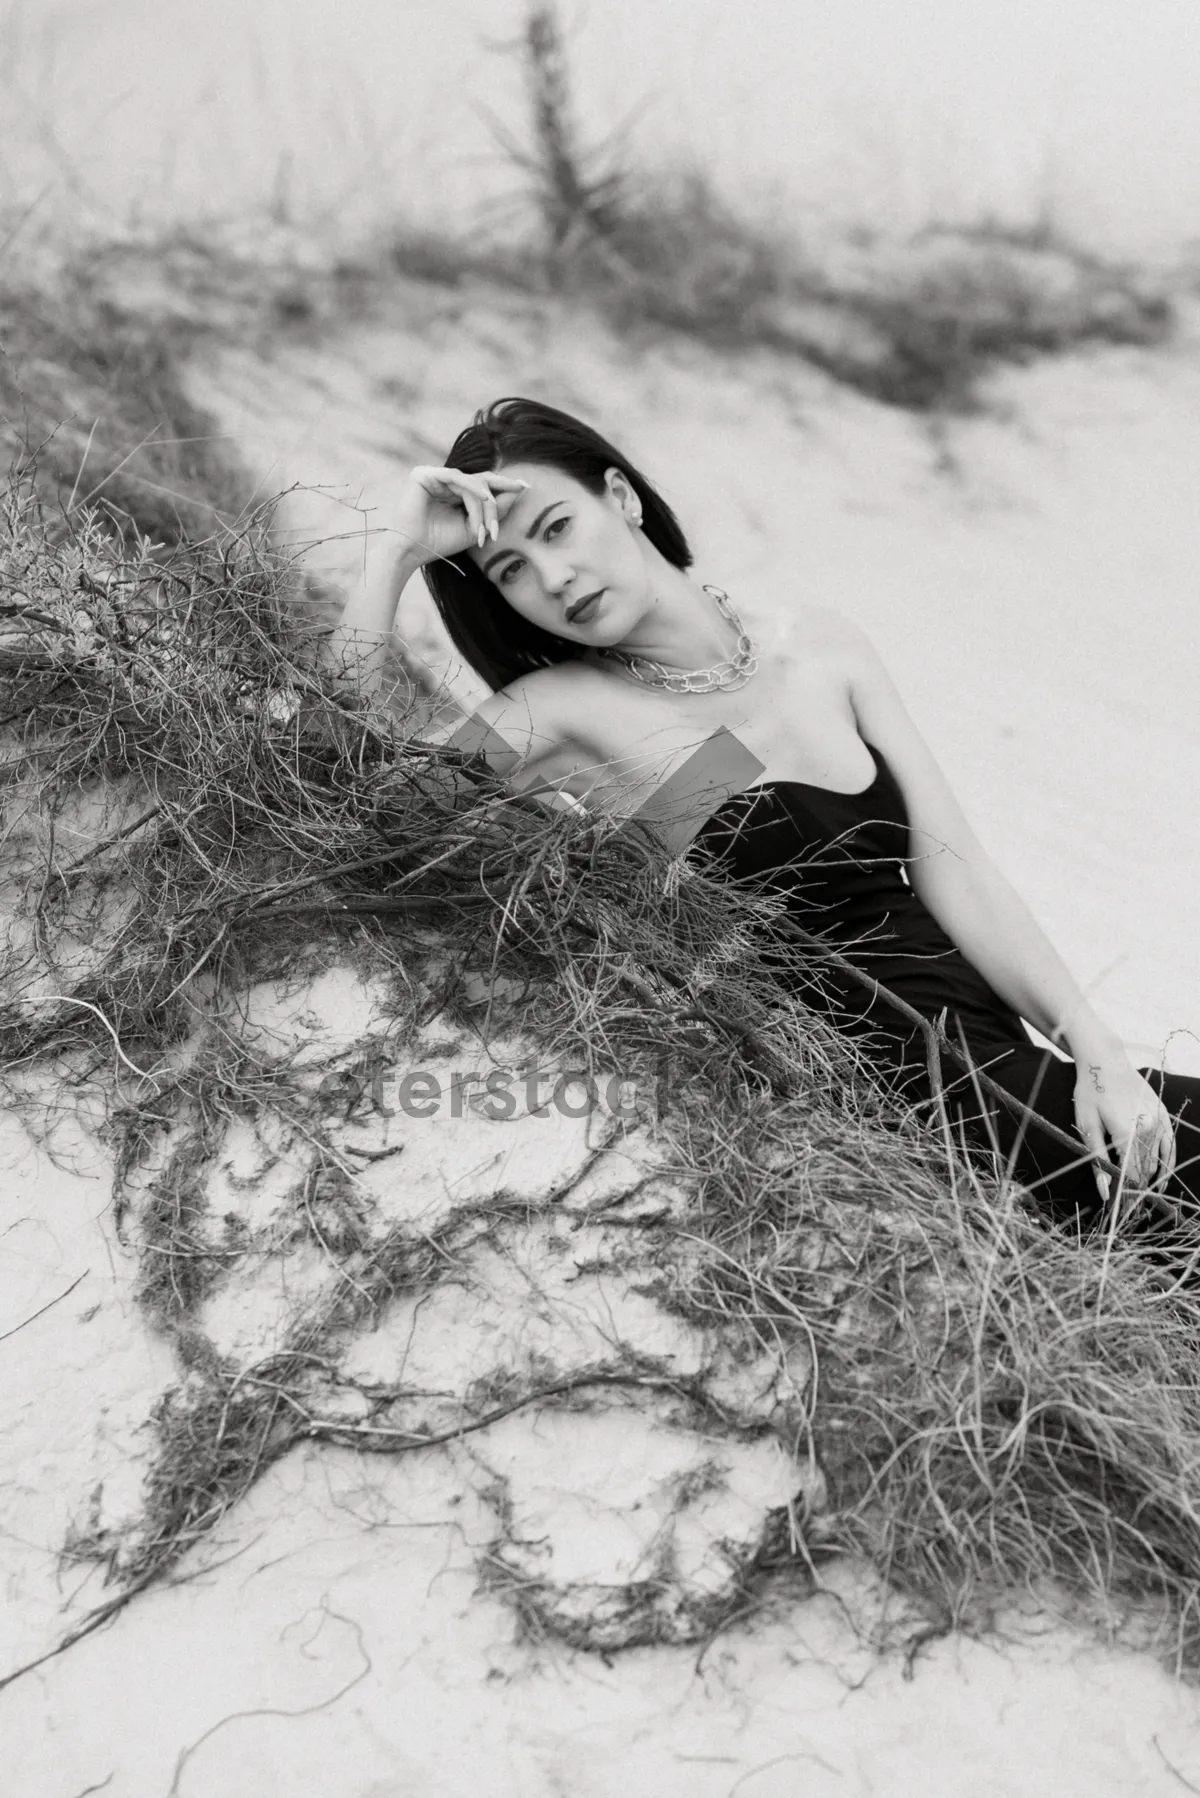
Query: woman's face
x=559 y=545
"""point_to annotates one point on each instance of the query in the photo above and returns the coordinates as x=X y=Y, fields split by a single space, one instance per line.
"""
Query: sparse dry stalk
x=194 y=806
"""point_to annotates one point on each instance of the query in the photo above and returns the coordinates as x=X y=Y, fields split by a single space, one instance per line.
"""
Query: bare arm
x=440 y=512
x=954 y=876
x=359 y=641
x=957 y=880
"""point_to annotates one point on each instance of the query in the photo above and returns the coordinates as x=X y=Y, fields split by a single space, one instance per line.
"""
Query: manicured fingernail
x=481 y=537
x=494 y=528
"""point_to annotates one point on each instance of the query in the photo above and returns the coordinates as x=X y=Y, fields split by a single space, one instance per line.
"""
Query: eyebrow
x=531 y=532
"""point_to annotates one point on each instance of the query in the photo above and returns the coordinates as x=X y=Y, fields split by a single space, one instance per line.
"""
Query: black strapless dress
x=838 y=860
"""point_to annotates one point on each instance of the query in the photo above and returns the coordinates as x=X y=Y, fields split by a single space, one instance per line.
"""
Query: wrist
x=403 y=565
x=1088 y=1038
x=394 y=570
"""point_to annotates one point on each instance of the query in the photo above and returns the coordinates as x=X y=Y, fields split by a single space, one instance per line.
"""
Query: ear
x=624 y=495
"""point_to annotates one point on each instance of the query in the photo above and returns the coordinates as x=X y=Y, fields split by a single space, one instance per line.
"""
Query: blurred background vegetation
x=102 y=293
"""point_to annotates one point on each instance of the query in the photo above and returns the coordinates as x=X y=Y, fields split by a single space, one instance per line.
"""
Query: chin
x=611 y=627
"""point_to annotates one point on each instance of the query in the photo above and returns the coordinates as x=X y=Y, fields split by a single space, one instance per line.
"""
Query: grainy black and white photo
x=599 y=977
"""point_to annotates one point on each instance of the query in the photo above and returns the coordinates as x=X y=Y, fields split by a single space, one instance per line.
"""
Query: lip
x=584 y=608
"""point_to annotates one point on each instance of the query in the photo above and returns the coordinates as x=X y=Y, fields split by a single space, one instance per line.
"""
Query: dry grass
x=91 y=406
x=916 y=324
x=993 y=1409
x=192 y=803
x=997 y=1411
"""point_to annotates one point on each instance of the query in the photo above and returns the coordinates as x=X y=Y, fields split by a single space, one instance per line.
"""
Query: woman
x=562 y=578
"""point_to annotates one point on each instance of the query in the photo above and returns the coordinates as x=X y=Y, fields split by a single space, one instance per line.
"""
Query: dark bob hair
x=496 y=640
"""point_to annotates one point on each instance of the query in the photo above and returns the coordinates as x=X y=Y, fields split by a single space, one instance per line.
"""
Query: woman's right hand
x=443 y=511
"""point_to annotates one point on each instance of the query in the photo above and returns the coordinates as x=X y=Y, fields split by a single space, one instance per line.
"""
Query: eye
x=554 y=528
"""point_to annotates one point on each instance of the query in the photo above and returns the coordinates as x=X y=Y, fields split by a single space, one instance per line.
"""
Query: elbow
x=350 y=655
x=958 y=889
x=935 y=867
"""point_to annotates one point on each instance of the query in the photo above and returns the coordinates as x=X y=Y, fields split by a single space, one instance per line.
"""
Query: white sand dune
x=346 y=1629
x=372 y=1626
x=1031 y=576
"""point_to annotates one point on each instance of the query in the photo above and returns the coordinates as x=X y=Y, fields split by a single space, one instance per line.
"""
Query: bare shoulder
x=541 y=713
x=823 y=651
x=541 y=690
x=875 y=697
x=556 y=698
x=559 y=678
x=823 y=628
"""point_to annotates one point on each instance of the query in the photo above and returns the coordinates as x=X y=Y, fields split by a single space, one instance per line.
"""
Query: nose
x=557 y=575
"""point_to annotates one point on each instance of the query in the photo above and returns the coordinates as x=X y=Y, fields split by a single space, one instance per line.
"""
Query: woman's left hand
x=1112 y=1097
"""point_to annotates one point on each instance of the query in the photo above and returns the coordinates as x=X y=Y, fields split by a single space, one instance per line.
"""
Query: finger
x=1124 y=1156
x=1167 y=1151
x=488 y=519
x=505 y=490
x=448 y=483
x=1165 y=1145
x=449 y=487
x=1125 y=1189
x=1128 y=1158
x=490 y=490
x=456 y=494
x=1160 y=1171
x=449 y=479
x=474 y=510
x=1152 y=1161
x=1103 y=1180
x=1093 y=1143
x=1146 y=1146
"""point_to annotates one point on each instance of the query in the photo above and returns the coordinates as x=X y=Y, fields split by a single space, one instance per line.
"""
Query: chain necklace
x=726 y=676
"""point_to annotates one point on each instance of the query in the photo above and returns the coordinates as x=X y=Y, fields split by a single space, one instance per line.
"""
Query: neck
x=681 y=627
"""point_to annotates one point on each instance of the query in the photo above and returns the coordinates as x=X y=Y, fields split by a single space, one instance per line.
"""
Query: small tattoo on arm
x=1094 y=1071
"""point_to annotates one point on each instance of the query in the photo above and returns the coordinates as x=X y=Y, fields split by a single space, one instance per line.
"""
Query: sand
x=1029 y=576
x=354 y=1627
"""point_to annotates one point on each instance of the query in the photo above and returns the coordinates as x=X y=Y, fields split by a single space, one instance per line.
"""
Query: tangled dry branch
x=192 y=803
